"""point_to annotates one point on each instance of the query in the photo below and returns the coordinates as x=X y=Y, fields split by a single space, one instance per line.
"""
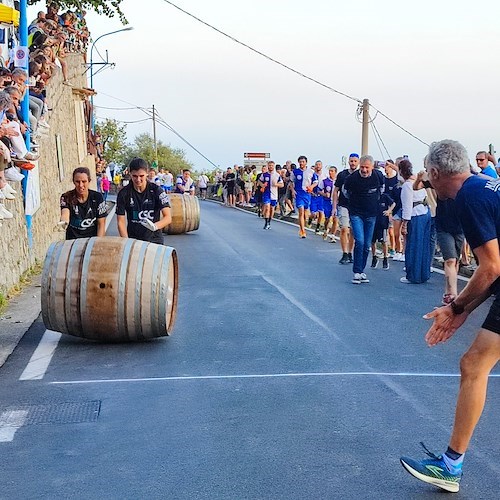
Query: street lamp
x=128 y=28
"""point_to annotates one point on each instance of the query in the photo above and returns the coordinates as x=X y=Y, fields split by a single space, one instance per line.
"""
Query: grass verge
x=25 y=280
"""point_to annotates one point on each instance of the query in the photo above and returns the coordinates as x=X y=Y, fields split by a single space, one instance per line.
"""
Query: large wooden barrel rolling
x=110 y=289
x=185 y=211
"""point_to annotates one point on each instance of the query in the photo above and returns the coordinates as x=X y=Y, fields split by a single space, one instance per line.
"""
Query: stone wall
x=66 y=121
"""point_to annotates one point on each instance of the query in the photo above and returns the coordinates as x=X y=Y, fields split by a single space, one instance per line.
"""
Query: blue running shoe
x=434 y=471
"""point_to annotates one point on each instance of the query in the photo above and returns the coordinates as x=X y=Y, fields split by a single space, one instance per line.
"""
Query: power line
x=262 y=53
x=289 y=68
x=399 y=126
x=377 y=134
x=162 y=122
x=115 y=109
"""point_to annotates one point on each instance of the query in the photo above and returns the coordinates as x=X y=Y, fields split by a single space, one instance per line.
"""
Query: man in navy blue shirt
x=363 y=188
x=477 y=202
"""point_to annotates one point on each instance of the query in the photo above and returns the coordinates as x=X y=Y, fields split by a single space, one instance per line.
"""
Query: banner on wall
x=32 y=197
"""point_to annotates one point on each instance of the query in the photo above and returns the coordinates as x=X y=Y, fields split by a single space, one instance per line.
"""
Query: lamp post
x=128 y=28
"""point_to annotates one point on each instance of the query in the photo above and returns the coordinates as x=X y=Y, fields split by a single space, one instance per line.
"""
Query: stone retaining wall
x=66 y=121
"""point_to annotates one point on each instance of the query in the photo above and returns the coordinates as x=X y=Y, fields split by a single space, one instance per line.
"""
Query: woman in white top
x=417 y=228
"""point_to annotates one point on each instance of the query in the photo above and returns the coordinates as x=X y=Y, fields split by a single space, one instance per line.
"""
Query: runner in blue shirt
x=304 y=181
x=326 y=189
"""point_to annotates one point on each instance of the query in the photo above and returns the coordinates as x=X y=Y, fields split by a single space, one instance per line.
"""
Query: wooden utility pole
x=154 y=135
x=366 y=121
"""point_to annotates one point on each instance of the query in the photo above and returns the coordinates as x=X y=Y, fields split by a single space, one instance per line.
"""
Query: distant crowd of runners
x=449 y=203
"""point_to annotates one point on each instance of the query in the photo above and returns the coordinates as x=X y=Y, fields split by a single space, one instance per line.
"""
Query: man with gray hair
x=477 y=202
x=363 y=188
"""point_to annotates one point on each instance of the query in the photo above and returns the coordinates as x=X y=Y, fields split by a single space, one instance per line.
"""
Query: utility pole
x=366 y=121
x=154 y=135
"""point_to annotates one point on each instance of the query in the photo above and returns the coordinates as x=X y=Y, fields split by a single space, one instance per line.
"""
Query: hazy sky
x=431 y=66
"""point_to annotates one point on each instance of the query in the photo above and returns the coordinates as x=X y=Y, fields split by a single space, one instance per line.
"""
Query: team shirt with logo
x=140 y=206
x=326 y=186
x=265 y=178
x=83 y=216
x=303 y=179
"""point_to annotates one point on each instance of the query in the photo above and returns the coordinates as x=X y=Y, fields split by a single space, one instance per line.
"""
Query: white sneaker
x=30 y=156
x=364 y=278
x=357 y=279
x=12 y=174
x=4 y=213
x=6 y=195
x=43 y=124
x=8 y=189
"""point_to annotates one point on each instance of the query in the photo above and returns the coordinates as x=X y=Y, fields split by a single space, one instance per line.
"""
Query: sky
x=431 y=66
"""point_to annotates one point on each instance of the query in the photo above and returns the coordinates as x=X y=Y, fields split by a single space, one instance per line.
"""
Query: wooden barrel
x=185 y=214
x=111 y=289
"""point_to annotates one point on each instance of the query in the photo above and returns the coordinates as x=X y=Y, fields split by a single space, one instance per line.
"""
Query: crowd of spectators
x=50 y=36
x=407 y=200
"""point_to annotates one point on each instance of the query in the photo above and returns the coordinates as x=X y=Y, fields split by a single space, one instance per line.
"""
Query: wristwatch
x=456 y=308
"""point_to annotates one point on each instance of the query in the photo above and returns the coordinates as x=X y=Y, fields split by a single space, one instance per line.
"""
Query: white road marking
x=301 y=307
x=41 y=358
x=263 y=375
x=10 y=421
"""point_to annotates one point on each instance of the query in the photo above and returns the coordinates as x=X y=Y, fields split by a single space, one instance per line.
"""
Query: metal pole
x=128 y=28
x=366 y=121
x=154 y=134
x=25 y=110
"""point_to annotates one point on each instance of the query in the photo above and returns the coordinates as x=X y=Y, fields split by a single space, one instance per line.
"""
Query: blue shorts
x=316 y=204
x=167 y=189
x=267 y=201
x=327 y=208
x=266 y=198
x=303 y=200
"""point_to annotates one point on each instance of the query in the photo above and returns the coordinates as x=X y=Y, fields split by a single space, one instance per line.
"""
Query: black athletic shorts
x=492 y=321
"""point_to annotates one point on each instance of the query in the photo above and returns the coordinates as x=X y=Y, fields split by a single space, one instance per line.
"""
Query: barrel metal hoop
x=68 y=281
x=164 y=290
x=48 y=285
x=155 y=283
x=122 y=281
x=138 y=291
x=83 y=284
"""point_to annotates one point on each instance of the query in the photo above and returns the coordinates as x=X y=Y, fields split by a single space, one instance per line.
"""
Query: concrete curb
x=21 y=313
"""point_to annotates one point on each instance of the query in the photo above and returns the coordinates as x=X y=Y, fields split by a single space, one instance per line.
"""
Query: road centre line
x=38 y=364
x=262 y=375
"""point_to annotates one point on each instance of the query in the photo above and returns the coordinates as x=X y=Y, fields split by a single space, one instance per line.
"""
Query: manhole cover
x=60 y=413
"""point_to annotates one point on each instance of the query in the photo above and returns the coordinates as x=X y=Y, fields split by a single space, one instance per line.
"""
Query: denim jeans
x=362 y=232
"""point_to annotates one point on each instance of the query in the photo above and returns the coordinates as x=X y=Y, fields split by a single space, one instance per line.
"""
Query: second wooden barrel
x=185 y=213
x=111 y=289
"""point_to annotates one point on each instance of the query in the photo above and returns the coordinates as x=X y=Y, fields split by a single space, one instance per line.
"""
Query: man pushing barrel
x=142 y=208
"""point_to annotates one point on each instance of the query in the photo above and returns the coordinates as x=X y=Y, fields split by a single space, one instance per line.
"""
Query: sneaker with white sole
x=433 y=471
x=12 y=174
x=356 y=279
x=4 y=213
x=364 y=278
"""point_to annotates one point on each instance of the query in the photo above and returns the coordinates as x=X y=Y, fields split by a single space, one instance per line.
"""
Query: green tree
x=172 y=158
x=108 y=8
x=113 y=140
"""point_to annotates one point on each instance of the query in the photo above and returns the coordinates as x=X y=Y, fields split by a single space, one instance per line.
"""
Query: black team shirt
x=83 y=216
x=140 y=206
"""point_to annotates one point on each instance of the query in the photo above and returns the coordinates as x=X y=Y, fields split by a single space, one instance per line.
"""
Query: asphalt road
x=282 y=380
